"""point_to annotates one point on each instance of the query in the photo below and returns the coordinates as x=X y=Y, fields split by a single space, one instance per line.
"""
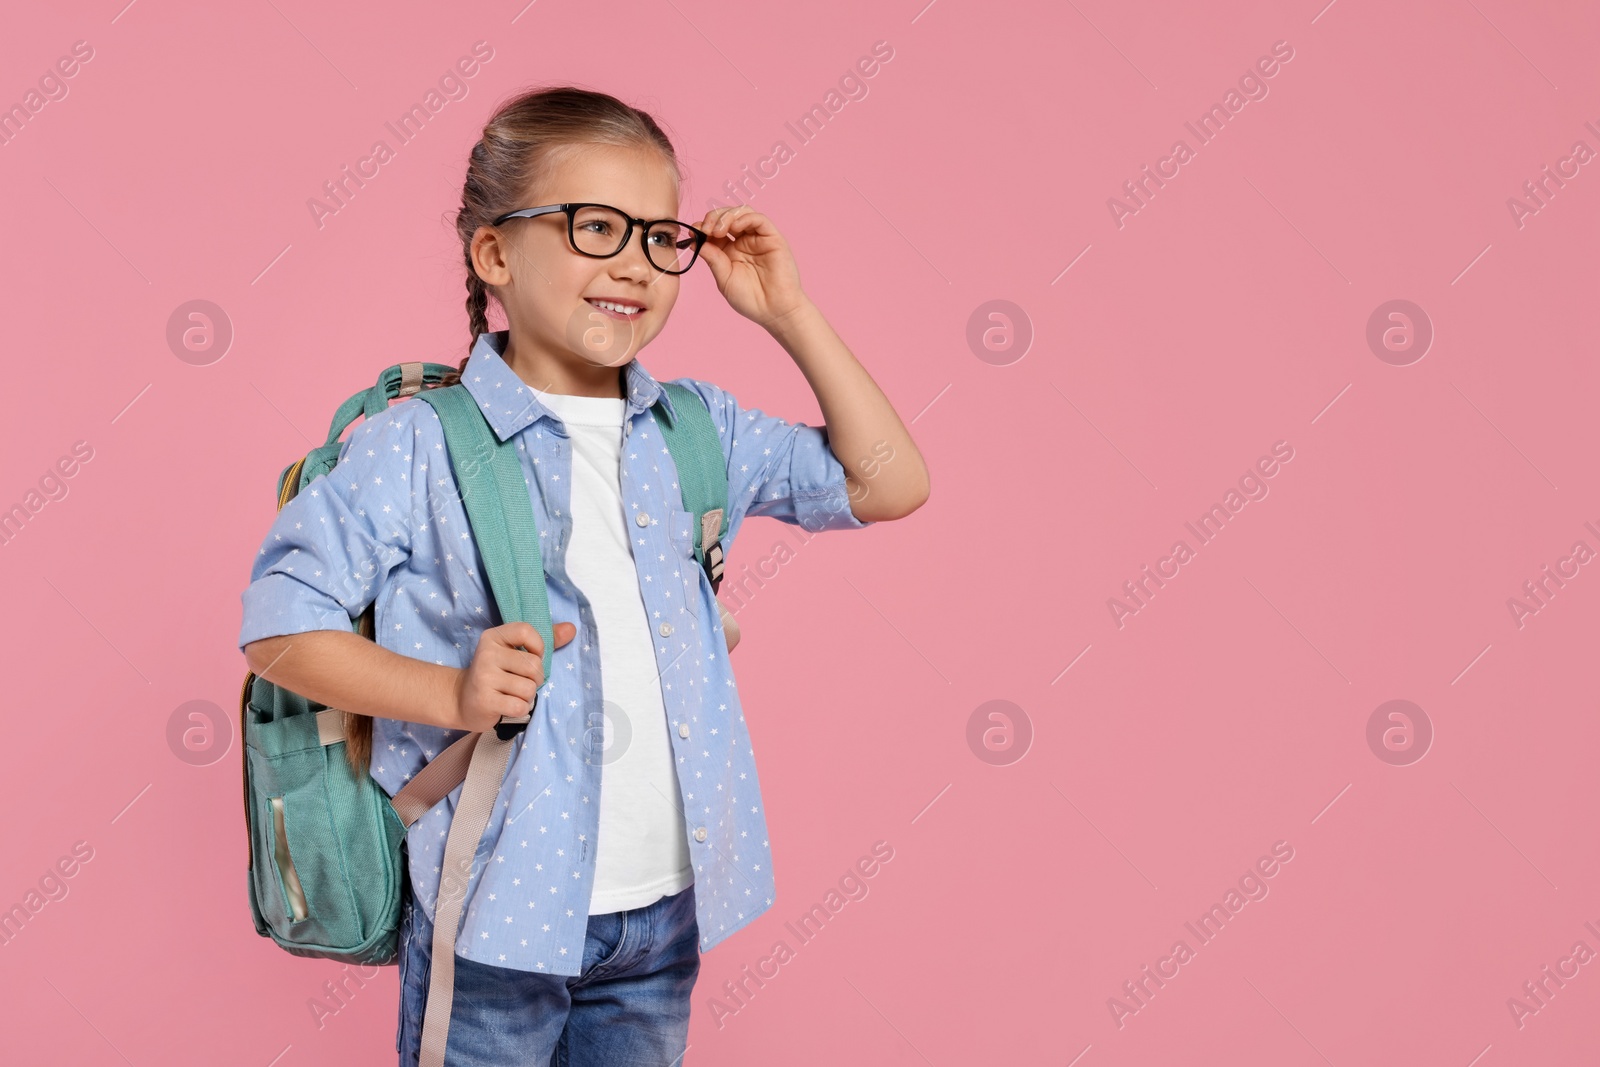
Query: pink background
x=1228 y=314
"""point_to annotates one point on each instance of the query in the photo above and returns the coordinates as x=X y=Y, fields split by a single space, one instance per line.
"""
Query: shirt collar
x=510 y=404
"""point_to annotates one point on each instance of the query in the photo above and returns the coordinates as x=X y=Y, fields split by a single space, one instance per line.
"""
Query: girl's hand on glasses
x=755 y=271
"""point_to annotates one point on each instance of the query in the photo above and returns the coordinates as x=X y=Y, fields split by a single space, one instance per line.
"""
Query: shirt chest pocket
x=680 y=532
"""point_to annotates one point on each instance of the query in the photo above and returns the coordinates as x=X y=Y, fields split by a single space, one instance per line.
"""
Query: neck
x=563 y=374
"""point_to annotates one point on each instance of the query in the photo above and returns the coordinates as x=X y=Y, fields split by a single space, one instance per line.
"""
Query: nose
x=632 y=262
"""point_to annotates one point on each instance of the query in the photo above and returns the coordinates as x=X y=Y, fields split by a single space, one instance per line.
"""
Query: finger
x=530 y=663
x=525 y=634
x=509 y=694
x=715 y=216
x=716 y=222
x=748 y=233
x=716 y=259
x=737 y=220
x=507 y=706
x=507 y=662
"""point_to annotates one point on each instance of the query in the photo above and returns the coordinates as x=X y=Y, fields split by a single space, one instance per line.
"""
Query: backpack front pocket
x=327 y=842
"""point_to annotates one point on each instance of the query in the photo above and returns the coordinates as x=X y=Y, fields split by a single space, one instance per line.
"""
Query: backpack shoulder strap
x=396 y=382
x=500 y=511
x=696 y=450
x=490 y=480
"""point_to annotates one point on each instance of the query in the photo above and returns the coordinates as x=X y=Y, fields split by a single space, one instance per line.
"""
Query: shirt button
x=683 y=730
x=666 y=629
x=641 y=519
x=700 y=833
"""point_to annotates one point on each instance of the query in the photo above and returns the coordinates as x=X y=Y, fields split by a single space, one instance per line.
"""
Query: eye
x=669 y=236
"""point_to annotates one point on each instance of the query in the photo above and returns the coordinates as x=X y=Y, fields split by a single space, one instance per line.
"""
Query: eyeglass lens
x=600 y=231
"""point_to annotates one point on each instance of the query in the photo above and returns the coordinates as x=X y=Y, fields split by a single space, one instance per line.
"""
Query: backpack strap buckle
x=712 y=557
x=712 y=565
x=508 y=728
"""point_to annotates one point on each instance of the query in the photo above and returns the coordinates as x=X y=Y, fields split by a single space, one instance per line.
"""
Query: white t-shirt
x=642 y=853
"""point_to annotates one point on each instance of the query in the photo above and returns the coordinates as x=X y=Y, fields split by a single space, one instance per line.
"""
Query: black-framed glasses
x=601 y=231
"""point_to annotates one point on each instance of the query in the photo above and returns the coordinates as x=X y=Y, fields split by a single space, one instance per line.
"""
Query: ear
x=490 y=255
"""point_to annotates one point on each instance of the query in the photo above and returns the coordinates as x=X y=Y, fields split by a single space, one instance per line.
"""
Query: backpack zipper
x=291 y=482
x=249 y=837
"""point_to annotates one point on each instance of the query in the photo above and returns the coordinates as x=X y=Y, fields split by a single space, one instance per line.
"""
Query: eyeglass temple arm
x=531 y=212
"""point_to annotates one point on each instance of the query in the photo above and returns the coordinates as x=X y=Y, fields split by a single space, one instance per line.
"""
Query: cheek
x=666 y=297
x=547 y=281
x=663 y=295
x=560 y=282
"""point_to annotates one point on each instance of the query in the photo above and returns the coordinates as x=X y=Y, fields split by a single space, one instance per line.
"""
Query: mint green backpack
x=325 y=839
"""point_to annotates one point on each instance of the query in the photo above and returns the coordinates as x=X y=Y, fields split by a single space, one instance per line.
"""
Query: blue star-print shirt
x=387 y=523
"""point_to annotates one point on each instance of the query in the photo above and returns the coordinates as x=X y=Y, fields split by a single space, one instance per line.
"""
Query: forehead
x=637 y=180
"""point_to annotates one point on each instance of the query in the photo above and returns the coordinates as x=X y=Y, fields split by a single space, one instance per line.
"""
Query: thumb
x=716 y=259
x=563 y=632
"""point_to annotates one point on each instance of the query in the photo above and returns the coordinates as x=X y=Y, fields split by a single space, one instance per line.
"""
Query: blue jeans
x=629 y=1006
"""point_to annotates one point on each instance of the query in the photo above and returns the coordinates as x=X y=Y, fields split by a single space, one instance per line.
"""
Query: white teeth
x=619 y=308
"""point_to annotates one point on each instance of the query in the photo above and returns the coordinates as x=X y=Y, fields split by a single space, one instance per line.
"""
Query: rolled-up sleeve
x=332 y=545
x=786 y=471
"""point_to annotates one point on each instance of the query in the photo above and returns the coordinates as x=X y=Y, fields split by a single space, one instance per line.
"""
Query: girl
x=585 y=917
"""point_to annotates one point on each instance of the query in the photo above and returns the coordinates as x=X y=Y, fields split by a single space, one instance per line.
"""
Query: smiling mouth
x=616 y=310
